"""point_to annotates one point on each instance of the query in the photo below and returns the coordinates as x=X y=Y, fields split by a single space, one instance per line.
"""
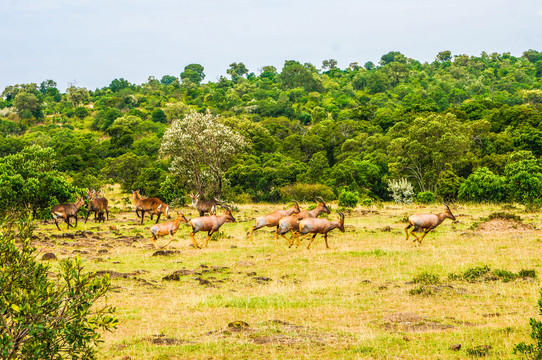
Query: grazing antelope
x=166 y=228
x=153 y=206
x=208 y=206
x=66 y=211
x=317 y=226
x=273 y=219
x=98 y=205
x=211 y=224
x=291 y=223
x=427 y=222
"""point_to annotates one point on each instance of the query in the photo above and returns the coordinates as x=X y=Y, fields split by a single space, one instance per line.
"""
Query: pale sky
x=92 y=42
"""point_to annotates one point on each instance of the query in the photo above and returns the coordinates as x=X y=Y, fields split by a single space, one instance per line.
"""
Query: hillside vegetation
x=461 y=126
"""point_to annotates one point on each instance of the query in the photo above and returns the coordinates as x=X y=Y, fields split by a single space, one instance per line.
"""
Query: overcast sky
x=92 y=42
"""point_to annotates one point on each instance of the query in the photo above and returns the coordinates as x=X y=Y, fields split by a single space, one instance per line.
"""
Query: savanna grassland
x=372 y=295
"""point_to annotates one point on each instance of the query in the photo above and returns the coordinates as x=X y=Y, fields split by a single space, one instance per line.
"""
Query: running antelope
x=153 y=206
x=317 y=226
x=167 y=228
x=291 y=223
x=211 y=224
x=273 y=219
x=66 y=211
x=427 y=222
x=98 y=205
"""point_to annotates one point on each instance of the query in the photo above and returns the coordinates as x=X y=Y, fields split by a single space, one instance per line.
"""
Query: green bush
x=533 y=351
x=483 y=186
x=306 y=192
x=348 y=199
x=44 y=315
x=426 y=197
x=426 y=278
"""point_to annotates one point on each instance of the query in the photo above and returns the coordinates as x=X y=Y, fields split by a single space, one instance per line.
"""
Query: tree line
x=466 y=127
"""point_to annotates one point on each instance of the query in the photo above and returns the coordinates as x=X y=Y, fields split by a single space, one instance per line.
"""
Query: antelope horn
x=341 y=215
x=295 y=201
x=447 y=206
x=320 y=199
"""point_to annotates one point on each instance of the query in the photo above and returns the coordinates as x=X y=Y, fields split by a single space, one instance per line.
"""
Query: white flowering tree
x=201 y=148
x=401 y=191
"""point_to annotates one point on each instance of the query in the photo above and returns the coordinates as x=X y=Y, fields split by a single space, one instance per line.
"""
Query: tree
x=168 y=79
x=194 y=73
x=119 y=84
x=77 y=95
x=444 y=56
x=159 y=116
x=422 y=150
x=43 y=316
x=202 y=147
x=237 y=70
x=329 y=64
x=483 y=186
x=29 y=178
x=27 y=105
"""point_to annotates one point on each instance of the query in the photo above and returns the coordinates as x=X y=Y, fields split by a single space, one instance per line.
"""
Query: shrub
x=426 y=197
x=367 y=202
x=46 y=316
x=401 y=191
x=306 y=192
x=426 y=278
x=527 y=273
x=533 y=351
x=483 y=185
x=348 y=199
x=503 y=216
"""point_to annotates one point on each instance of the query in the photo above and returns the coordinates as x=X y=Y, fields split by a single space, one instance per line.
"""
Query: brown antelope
x=207 y=206
x=427 y=222
x=291 y=223
x=211 y=224
x=153 y=206
x=167 y=228
x=98 y=205
x=273 y=219
x=317 y=226
x=66 y=211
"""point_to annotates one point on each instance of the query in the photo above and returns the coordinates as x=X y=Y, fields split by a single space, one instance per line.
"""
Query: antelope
x=208 y=206
x=153 y=206
x=66 y=211
x=426 y=222
x=166 y=228
x=291 y=223
x=273 y=219
x=98 y=205
x=211 y=224
x=317 y=226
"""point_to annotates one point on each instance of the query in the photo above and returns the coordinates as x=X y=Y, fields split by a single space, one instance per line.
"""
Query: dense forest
x=459 y=127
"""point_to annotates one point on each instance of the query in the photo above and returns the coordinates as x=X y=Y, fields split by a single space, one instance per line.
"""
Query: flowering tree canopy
x=201 y=147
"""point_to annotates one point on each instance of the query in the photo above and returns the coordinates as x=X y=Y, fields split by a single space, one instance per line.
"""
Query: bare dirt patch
x=498 y=225
x=412 y=322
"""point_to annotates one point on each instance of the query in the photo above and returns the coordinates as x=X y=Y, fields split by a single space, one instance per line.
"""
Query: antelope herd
x=298 y=222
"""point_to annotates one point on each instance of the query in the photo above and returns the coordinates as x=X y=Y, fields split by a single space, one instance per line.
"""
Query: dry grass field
x=371 y=296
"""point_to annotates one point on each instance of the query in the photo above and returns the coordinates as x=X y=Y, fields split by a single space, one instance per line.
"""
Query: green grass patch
x=375 y=252
x=253 y=302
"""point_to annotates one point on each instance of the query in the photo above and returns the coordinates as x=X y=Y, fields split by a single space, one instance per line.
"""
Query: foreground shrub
x=533 y=351
x=44 y=316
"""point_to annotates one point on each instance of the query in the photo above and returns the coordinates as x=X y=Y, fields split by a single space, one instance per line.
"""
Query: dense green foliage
x=44 y=316
x=453 y=127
